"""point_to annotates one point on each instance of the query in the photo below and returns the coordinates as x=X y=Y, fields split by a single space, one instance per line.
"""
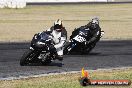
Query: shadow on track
x=75 y=54
x=58 y=64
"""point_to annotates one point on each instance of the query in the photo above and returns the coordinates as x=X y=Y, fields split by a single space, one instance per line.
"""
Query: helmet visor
x=57 y=26
x=94 y=26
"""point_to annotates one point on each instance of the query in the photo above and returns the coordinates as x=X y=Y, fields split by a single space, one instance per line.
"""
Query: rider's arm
x=61 y=44
x=62 y=40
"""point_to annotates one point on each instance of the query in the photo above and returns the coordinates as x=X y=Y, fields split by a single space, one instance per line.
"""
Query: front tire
x=25 y=58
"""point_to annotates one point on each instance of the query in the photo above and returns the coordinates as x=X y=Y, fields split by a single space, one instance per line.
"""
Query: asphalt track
x=107 y=54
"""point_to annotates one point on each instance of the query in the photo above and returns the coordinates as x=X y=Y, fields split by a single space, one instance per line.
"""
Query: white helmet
x=58 y=25
x=95 y=20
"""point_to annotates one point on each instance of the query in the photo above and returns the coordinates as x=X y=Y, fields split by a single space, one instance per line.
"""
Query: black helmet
x=58 y=25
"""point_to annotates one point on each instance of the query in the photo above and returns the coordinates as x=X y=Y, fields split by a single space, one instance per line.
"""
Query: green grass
x=69 y=80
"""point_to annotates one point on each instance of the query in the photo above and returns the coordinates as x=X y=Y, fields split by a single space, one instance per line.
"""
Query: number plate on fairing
x=79 y=38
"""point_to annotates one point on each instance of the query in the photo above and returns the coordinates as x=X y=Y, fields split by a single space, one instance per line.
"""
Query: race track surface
x=107 y=54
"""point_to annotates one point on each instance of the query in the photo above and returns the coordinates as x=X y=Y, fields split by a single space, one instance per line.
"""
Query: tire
x=25 y=58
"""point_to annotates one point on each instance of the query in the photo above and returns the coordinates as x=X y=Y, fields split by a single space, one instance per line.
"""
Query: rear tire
x=25 y=58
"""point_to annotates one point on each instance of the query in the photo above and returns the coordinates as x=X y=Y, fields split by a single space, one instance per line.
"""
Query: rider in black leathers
x=94 y=31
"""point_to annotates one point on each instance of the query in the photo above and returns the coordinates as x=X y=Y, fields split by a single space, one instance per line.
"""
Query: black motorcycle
x=39 y=50
x=77 y=43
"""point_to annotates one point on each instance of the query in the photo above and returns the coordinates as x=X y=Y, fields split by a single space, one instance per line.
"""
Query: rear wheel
x=27 y=57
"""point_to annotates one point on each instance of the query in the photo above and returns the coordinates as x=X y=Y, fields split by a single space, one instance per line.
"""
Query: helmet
x=95 y=20
x=58 y=25
x=94 y=23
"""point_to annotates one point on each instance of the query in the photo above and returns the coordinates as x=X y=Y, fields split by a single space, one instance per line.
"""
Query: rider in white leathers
x=59 y=36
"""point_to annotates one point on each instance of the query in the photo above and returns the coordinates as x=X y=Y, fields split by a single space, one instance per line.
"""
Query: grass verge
x=69 y=80
x=21 y=24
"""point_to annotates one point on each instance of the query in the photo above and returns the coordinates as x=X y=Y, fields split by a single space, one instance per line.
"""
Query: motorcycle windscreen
x=44 y=36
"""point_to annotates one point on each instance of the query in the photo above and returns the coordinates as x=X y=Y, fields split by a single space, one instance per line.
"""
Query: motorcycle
x=77 y=42
x=39 y=50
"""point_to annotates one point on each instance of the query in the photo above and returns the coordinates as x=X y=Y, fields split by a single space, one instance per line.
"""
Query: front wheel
x=27 y=57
